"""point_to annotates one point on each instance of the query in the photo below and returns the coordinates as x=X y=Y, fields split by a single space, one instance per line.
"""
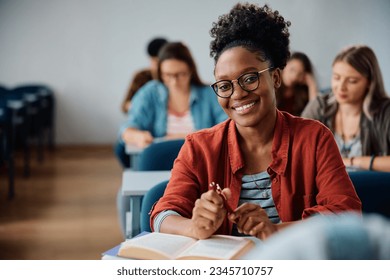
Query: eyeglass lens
x=248 y=82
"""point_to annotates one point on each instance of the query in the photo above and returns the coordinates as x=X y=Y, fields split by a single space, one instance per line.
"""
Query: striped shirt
x=179 y=123
x=256 y=189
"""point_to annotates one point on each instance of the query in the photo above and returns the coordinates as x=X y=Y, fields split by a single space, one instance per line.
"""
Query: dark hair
x=304 y=59
x=177 y=50
x=155 y=45
x=258 y=29
x=138 y=81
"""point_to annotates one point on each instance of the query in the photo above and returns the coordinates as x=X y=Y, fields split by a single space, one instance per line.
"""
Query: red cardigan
x=307 y=172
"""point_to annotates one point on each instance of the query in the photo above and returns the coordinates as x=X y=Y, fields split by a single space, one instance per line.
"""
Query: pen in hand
x=218 y=189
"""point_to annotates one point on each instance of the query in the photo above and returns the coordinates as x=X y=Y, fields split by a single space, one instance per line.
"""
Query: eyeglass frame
x=238 y=82
x=175 y=76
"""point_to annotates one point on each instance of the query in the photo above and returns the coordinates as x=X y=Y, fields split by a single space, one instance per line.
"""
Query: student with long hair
x=357 y=110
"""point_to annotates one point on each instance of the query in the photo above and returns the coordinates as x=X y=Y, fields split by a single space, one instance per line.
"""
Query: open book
x=161 y=246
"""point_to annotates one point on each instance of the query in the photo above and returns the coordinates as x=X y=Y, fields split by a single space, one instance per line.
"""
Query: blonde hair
x=363 y=59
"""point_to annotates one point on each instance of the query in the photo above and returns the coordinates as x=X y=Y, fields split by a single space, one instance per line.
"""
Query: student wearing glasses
x=176 y=104
x=274 y=169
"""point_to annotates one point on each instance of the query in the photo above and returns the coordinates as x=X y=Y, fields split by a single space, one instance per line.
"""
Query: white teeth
x=244 y=107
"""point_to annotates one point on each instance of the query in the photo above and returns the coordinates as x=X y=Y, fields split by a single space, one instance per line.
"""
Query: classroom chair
x=40 y=101
x=373 y=188
x=6 y=152
x=150 y=198
x=159 y=155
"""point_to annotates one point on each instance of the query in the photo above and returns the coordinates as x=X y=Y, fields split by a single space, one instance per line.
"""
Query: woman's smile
x=244 y=108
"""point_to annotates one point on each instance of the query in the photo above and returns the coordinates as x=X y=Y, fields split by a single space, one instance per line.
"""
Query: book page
x=155 y=246
x=217 y=247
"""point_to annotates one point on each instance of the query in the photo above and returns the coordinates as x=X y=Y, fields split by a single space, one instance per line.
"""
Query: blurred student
x=176 y=104
x=357 y=110
x=298 y=85
x=345 y=236
x=145 y=75
x=274 y=169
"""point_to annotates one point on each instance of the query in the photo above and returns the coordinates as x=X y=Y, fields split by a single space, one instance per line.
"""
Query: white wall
x=88 y=50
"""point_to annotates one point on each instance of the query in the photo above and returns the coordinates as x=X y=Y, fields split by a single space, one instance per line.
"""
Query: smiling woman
x=273 y=168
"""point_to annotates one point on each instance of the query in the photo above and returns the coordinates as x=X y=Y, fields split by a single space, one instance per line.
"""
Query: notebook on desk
x=112 y=254
x=250 y=254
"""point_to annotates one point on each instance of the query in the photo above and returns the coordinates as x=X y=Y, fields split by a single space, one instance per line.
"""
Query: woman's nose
x=343 y=84
x=238 y=91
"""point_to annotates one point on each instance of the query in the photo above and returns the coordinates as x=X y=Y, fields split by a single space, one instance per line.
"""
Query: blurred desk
x=134 y=151
x=135 y=184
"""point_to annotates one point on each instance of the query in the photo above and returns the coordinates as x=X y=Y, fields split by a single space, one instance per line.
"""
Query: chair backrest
x=46 y=96
x=373 y=188
x=159 y=155
x=149 y=199
x=34 y=88
x=3 y=103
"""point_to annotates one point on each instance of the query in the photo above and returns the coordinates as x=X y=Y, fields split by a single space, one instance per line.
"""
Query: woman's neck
x=350 y=110
x=179 y=100
x=256 y=144
x=255 y=140
x=347 y=121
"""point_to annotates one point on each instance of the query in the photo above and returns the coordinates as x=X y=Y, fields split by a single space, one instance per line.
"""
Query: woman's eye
x=224 y=87
x=249 y=79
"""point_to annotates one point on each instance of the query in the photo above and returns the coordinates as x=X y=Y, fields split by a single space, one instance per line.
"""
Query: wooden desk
x=135 y=184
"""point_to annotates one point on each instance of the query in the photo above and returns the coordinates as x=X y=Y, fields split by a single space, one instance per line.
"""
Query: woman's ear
x=277 y=78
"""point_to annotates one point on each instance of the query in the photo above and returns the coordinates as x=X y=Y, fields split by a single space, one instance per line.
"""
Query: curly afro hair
x=258 y=29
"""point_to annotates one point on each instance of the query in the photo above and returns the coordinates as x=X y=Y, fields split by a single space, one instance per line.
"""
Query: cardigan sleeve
x=336 y=192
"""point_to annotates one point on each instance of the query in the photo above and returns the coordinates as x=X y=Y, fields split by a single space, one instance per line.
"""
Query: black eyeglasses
x=247 y=81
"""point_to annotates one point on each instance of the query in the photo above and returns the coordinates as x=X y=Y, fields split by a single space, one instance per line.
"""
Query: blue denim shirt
x=149 y=109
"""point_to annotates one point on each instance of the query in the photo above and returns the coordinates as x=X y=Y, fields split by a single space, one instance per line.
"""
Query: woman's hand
x=140 y=138
x=252 y=220
x=347 y=162
x=207 y=215
x=143 y=138
x=311 y=83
